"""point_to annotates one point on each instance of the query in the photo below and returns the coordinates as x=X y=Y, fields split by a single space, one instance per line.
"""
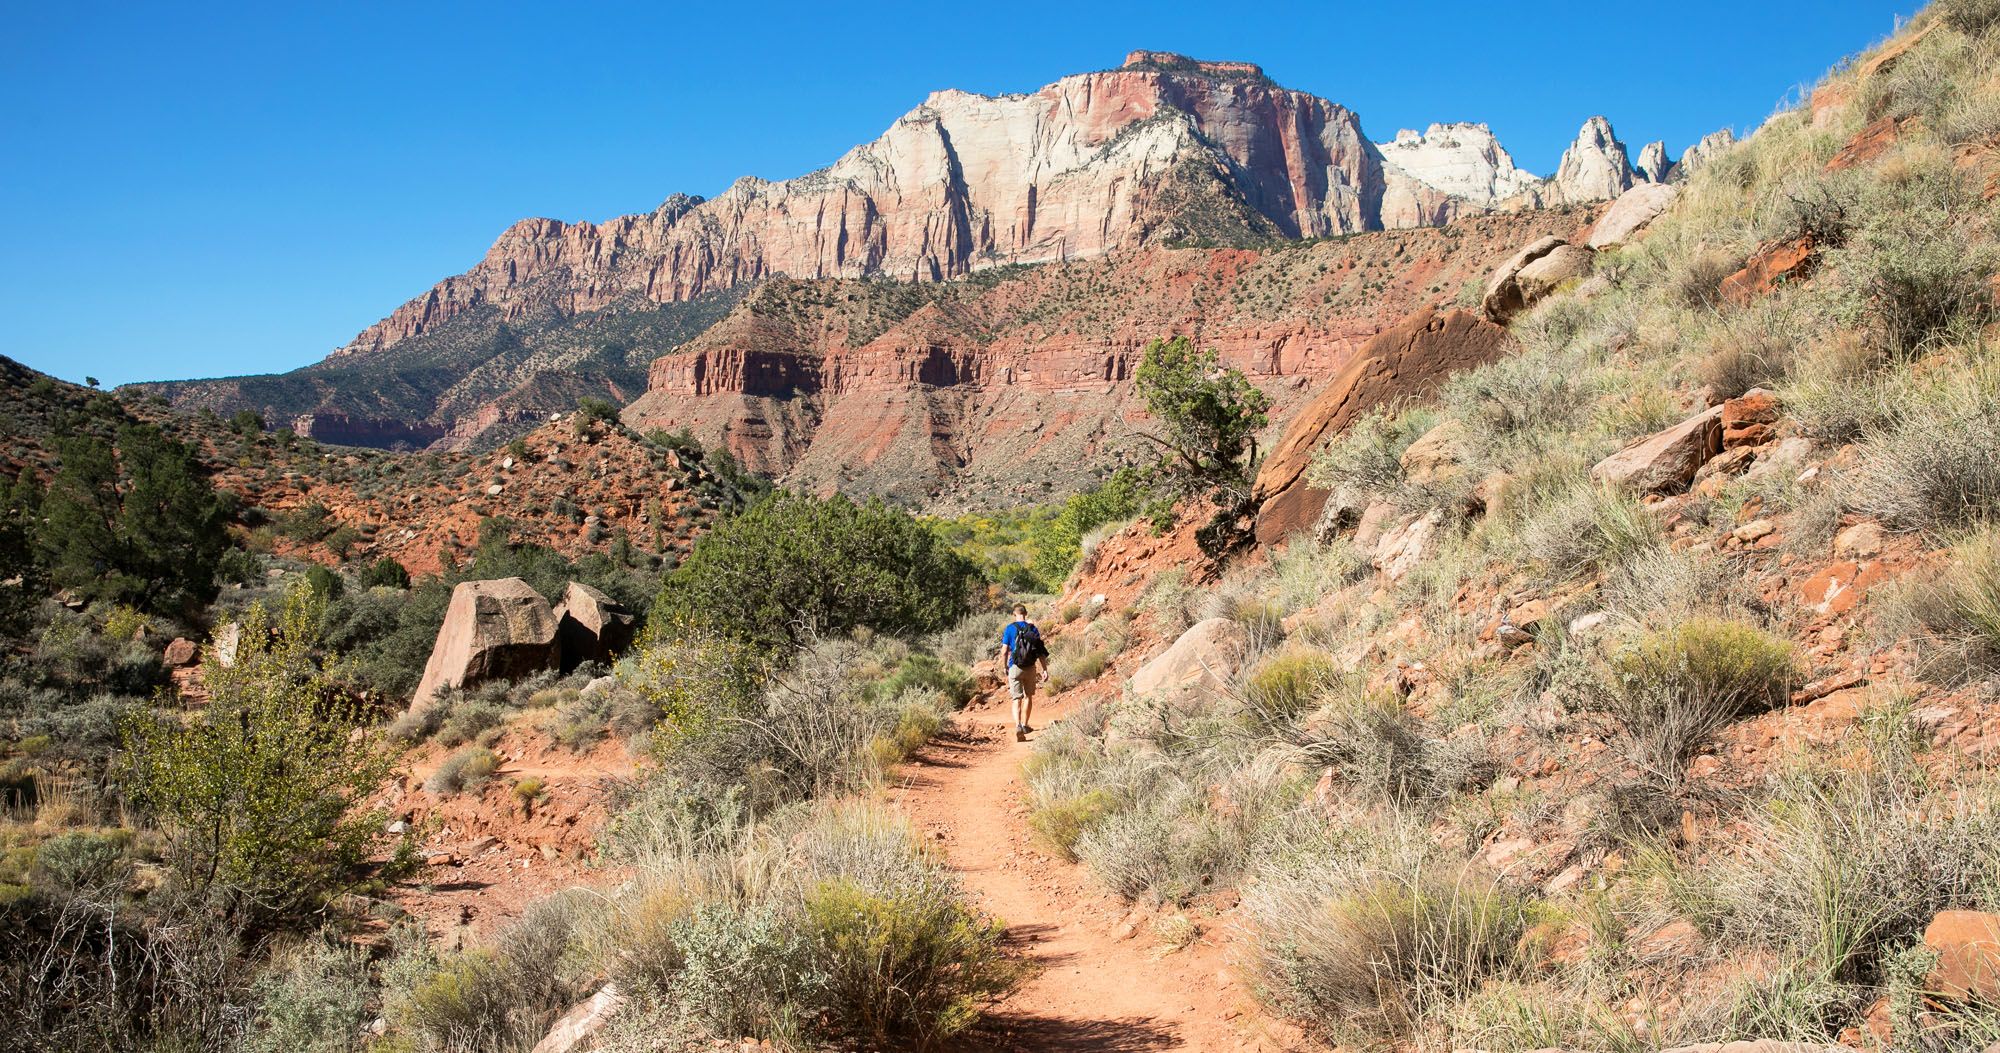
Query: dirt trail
x=1104 y=981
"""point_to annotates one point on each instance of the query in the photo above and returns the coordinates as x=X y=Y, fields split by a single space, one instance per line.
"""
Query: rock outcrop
x=1666 y=460
x=591 y=627
x=1634 y=210
x=493 y=630
x=1711 y=146
x=1204 y=658
x=1653 y=165
x=1463 y=160
x=1163 y=148
x=1594 y=167
x=1531 y=275
x=1408 y=361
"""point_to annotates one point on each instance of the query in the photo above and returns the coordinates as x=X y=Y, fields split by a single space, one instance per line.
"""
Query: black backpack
x=1028 y=646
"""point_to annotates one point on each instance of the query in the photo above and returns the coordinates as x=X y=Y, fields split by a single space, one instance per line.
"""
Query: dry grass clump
x=1173 y=601
x=1934 y=465
x=463 y=770
x=1744 y=352
x=1673 y=689
x=1370 y=934
x=1287 y=684
x=1572 y=527
x=1366 y=458
x=1956 y=612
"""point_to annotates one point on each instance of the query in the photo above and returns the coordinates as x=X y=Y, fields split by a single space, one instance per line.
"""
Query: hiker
x=1021 y=648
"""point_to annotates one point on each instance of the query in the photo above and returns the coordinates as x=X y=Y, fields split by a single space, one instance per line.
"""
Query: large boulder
x=591 y=627
x=1633 y=212
x=1438 y=456
x=1666 y=460
x=1531 y=274
x=493 y=630
x=1205 y=657
x=1408 y=361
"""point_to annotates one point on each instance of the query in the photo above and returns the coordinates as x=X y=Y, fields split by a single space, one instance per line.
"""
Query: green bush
x=907 y=966
x=142 y=526
x=1289 y=683
x=1207 y=416
x=464 y=770
x=793 y=567
x=313 y=999
x=1673 y=689
x=385 y=573
x=261 y=795
x=1061 y=822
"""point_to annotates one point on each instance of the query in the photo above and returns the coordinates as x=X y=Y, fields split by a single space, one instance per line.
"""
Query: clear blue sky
x=198 y=190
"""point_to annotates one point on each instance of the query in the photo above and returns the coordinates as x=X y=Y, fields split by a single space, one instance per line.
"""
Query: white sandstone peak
x=1462 y=159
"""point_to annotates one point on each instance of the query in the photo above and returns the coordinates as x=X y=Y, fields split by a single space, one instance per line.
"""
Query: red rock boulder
x=1749 y=420
x=1667 y=460
x=493 y=630
x=1768 y=268
x=1967 y=943
x=591 y=627
x=1531 y=274
x=1409 y=360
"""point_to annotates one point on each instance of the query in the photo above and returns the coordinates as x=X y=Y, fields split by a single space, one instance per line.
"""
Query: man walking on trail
x=1021 y=649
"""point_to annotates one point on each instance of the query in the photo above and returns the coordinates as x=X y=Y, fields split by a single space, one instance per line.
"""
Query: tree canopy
x=793 y=566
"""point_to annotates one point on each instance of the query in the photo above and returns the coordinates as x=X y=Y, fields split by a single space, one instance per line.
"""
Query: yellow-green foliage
x=529 y=788
x=1674 y=688
x=260 y=794
x=1290 y=682
x=1060 y=822
x=911 y=966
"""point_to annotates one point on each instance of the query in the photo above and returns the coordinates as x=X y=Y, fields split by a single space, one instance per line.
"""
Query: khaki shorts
x=1021 y=681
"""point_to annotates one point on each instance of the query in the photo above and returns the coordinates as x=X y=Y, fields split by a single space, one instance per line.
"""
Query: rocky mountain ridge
x=1165 y=150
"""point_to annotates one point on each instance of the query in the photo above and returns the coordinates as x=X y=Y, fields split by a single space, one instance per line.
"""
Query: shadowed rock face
x=1410 y=360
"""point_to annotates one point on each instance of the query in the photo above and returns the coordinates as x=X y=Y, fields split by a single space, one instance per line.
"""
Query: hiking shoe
x=1020 y=733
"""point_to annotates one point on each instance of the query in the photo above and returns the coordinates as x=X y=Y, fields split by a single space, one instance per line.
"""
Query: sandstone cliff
x=1014 y=385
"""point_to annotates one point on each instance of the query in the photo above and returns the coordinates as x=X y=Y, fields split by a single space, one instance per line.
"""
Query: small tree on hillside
x=259 y=794
x=793 y=566
x=143 y=526
x=1208 y=418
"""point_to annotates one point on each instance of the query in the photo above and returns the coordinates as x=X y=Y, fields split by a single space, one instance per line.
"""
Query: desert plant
x=1957 y=611
x=1673 y=689
x=463 y=770
x=1356 y=947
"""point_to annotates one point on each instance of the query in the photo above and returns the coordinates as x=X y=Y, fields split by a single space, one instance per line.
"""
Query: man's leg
x=1028 y=686
x=1016 y=687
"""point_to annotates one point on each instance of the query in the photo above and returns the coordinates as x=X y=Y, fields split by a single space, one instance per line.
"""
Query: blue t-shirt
x=1007 y=641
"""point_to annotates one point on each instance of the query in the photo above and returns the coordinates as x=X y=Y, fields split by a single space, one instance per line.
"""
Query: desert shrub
x=1657 y=587
x=463 y=770
x=1360 y=947
x=465 y=718
x=1673 y=689
x=1843 y=867
x=1172 y=600
x=1920 y=260
x=791 y=567
x=1305 y=571
x=261 y=795
x=504 y=995
x=141 y=525
x=1073 y=663
x=1365 y=459
x=1241 y=600
x=925 y=672
x=1208 y=416
x=530 y=788
x=80 y=861
x=385 y=573
x=1971 y=17
x=1935 y=464
x=1957 y=611
x=1060 y=822
x=974 y=639
x=1748 y=351
x=1385 y=752
x=1289 y=683
x=1580 y=527
x=312 y=999
x=1698 y=281
x=1168 y=845
x=908 y=964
